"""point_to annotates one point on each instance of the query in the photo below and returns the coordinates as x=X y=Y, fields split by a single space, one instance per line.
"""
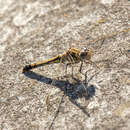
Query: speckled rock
x=46 y=98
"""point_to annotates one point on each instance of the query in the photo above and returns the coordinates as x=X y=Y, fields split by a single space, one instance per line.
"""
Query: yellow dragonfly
x=72 y=56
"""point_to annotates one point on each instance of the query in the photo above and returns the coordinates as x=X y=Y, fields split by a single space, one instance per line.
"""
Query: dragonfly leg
x=85 y=86
x=81 y=65
x=86 y=78
x=72 y=71
x=66 y=68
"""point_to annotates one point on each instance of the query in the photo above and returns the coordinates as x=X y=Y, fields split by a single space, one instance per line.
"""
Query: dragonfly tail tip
x=26 y=68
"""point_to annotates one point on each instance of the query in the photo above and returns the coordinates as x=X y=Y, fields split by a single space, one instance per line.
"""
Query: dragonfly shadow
x=72 y=90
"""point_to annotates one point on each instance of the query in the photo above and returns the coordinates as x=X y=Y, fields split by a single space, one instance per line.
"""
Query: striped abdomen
x=42 y=63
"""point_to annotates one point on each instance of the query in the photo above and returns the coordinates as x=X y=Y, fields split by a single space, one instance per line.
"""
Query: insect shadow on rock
x=73 y=91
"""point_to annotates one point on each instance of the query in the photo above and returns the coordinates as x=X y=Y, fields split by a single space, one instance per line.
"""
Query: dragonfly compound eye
x=86 y=55
x=83 y=55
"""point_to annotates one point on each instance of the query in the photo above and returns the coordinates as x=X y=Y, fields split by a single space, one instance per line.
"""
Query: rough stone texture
x=34 y=30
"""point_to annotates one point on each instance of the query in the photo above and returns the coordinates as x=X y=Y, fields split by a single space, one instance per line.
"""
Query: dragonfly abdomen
x=42 y=63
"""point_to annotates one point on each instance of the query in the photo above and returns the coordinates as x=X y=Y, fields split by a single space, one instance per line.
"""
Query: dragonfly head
x=85 y=54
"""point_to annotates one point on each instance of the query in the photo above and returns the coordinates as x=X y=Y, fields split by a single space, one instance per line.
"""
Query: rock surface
x=46 y=98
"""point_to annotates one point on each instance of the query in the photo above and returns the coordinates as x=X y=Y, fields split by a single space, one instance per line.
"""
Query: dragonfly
x=71 y=56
